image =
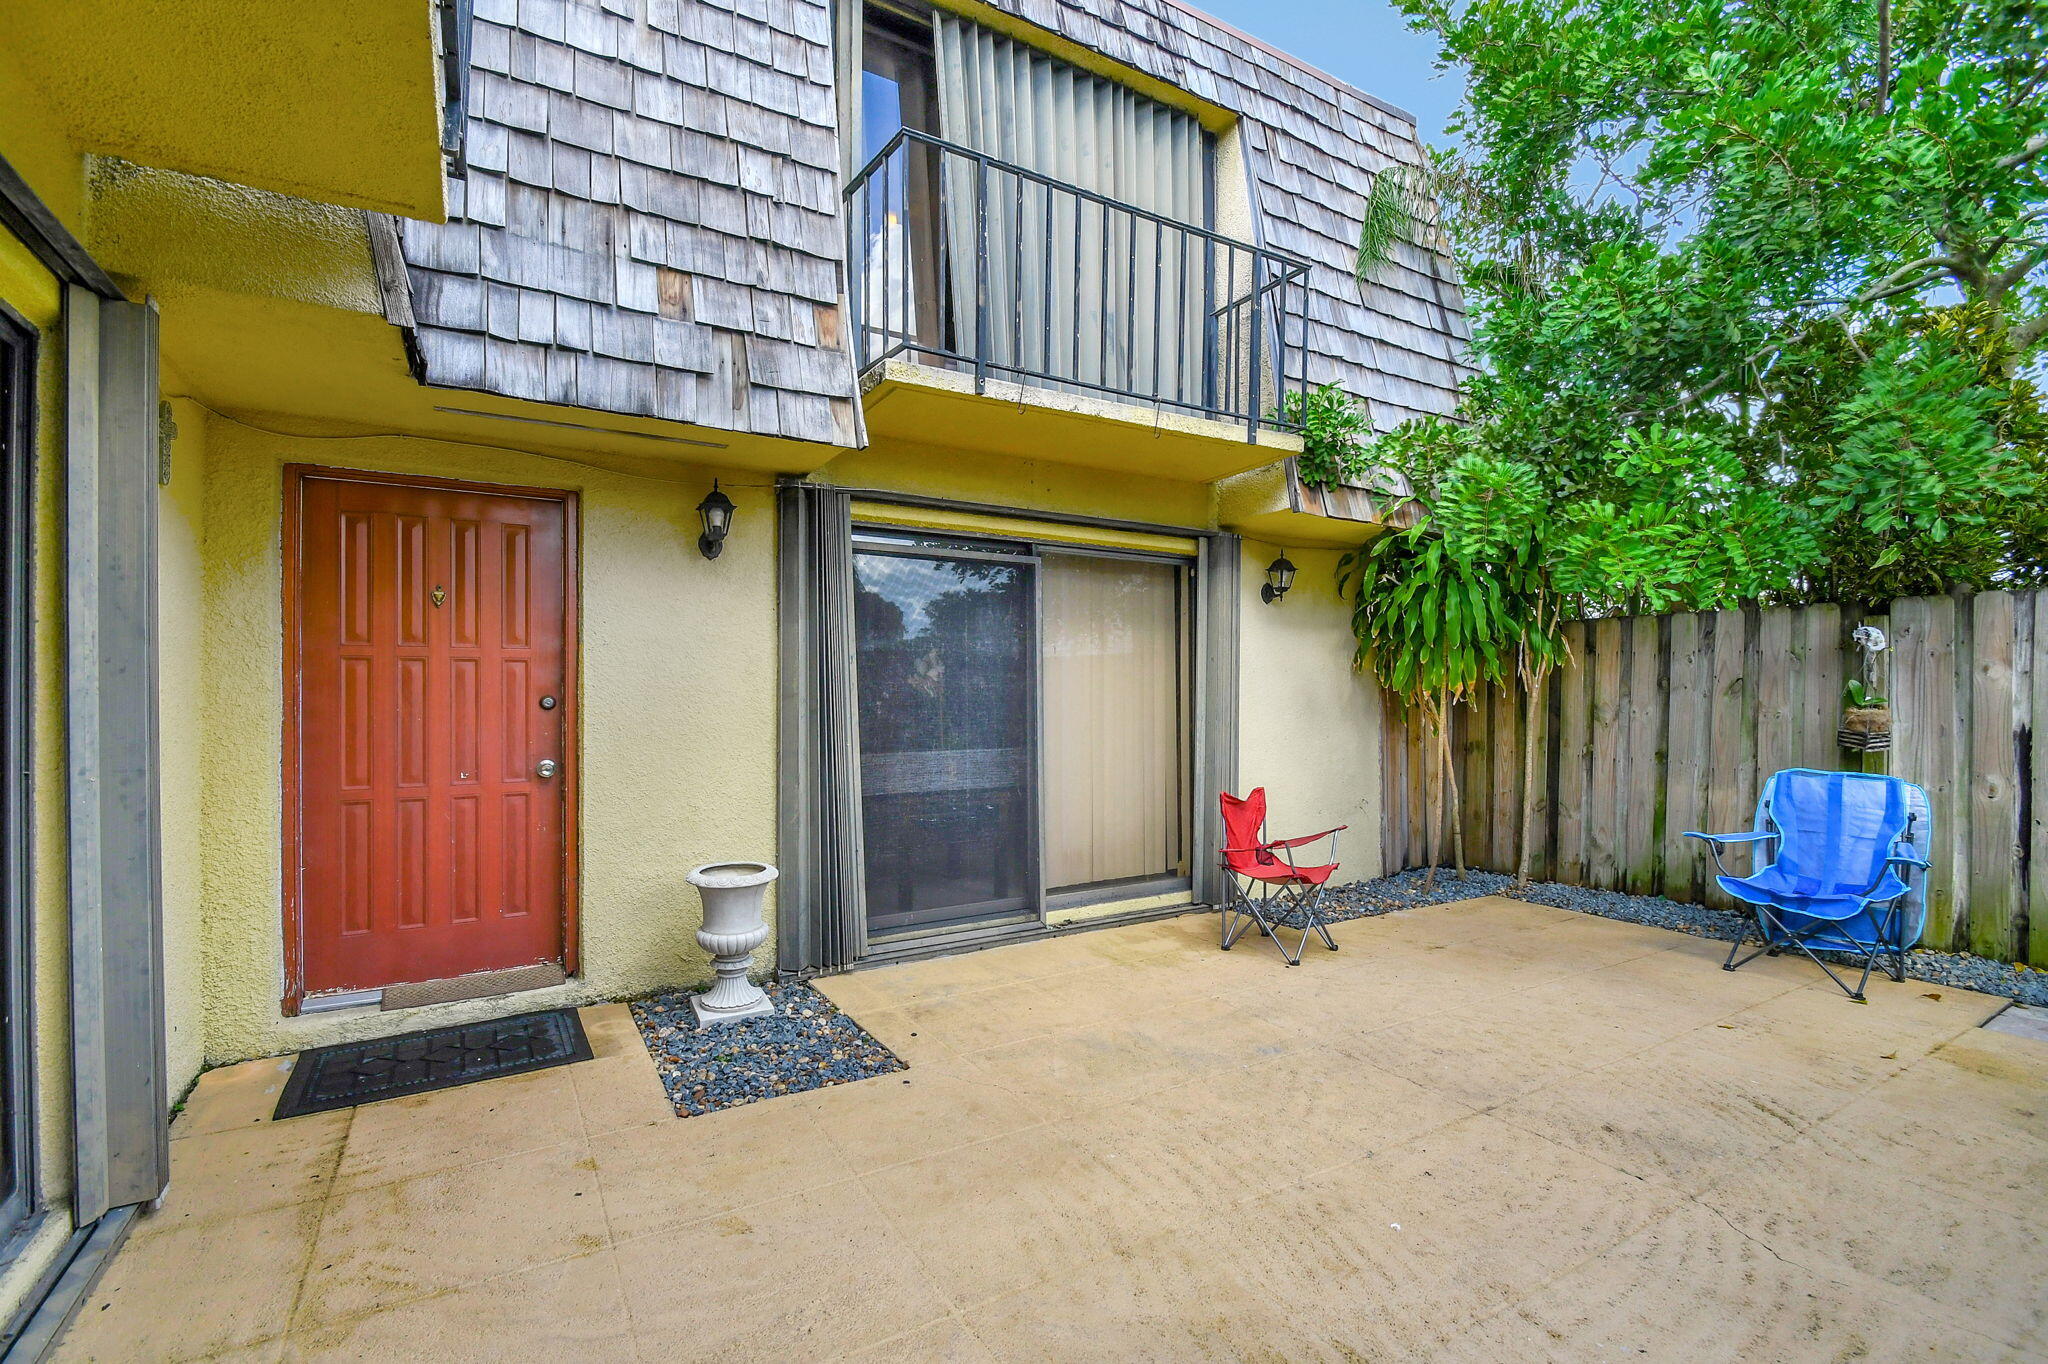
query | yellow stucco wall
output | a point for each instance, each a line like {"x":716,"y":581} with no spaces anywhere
{"x":181,"y":534}
{"x":678,"y":693}
{"x":1308,"y":726}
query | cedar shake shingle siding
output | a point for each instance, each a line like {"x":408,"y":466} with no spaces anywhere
{"x":650,"y":222}
{"x":1311,"y":148}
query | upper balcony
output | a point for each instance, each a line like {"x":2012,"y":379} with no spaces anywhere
{"x":1112,"y":336}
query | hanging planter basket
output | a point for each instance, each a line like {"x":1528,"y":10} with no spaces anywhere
{"x":1866,"y":729}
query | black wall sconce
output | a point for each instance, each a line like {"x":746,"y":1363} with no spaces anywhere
{"x":716,"y":509}
{"x":1279,"y":577}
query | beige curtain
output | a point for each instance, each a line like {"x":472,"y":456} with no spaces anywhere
{"x":1116,"y":733}
{"x":1076,"y":291}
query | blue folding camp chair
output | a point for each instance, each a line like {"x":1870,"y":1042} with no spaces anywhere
{"x":1844,"y":847}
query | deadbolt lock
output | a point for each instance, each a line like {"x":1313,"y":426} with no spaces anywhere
{"x":547,"y":703}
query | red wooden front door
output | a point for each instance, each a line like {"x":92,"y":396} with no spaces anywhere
{"x":430,"y":627}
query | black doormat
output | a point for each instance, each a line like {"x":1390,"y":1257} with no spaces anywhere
{"x":390,"y":1067}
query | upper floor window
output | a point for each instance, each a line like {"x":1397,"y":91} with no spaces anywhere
{"x":1032,"y":220}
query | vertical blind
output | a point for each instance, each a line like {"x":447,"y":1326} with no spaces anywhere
{"x":1116,"y":719}
{"x":1076,"y":290}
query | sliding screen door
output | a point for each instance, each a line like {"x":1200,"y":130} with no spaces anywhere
{"x":946,"y":663}
{"x":1116,"y":721}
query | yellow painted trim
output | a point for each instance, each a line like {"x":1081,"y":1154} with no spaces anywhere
{"x":1019,"y":527}
{"x":1082,"y":914}
{"x":1214,"y":117}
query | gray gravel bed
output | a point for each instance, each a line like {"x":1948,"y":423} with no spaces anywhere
{"x":1405,"y":890}
{"x":807,"y":1043}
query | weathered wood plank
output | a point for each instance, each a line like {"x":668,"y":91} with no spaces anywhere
{"x":1643,"y":788}
{"x":1993,"y":923}
{"x":1777,"y":744}
{"x":1925,"y":721}
{"x":1541,"y":823}
{"x":1504,"y":809}
{"x":1818,"y":694}
{"x":1574,"y":682}
{"x":1607,"y":744}
{"x":1731,"y":762}
{"x":1686,"y":760}
{"x":2036,"y":692}
{"x":1393,"y":788}
{"x":1475,"y":727}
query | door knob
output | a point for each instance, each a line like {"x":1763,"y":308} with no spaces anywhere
{"x":545,"y":769}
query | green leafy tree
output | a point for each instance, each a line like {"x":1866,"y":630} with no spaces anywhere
{"x":1759,"y":304}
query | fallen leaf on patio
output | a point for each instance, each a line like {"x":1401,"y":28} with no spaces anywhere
{"x":1932,"y":994}
{"x":1889,"y":1056}
{"x":1729,"y":1026}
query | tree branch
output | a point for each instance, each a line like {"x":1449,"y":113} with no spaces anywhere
{"x":2035,"y":145}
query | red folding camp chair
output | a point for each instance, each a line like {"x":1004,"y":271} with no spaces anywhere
{"x":1264,"y":884}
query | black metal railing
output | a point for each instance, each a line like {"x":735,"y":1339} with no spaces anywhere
{"x":957,"y":259}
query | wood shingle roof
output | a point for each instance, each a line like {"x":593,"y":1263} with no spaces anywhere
{"x":649,"y":222}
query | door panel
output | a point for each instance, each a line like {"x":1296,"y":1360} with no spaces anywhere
{"x":1116,"y":724}
{"x":432,"y":621}
{"x":946,"y":655}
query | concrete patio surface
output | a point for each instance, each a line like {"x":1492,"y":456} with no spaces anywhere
{"x":1481,"y":1131}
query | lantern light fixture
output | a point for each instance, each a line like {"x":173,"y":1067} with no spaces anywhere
{"x":1279,"y":578}
{"x":716,"y":509}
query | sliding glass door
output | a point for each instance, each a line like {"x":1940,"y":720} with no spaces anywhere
{"x":946,"y":643}
{"x":1117,"y":725}
{"x":1025,"y":729}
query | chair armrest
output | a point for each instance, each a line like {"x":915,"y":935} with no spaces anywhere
{"x":1715,"y":842}
{"x":1306,"y":838}
{"x":1906,"y":860}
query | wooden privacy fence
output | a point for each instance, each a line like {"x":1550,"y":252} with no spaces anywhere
{"x":1666,"y":723}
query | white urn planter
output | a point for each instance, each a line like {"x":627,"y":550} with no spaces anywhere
{"x":733,"y":927}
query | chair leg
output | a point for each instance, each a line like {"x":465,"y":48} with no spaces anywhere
{"x":1756,"y":921}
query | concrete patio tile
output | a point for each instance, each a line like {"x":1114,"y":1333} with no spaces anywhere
{"x":1003,"y":1215}
{"x":1111,"y":1062}
{"x":1491,"y":1212}
{"x":1691,"y":1287}
{"x":917,"y":1113}
{"x":1845,"y":1212}
{"x":940,"y":1342}
{"x":1661,"y":1114}
{"x":810,"y":1276}
{"x":1911,"y":1007}
{"x":563,"y":1312}
{"x":903,"y":1031}
{"x":1481,"y":1058}
{"x":611,"y":1030}
{"x":667,"y":1174}
{"x":241,"y":1095}
{"x":382,"y":1246}
{"x":249,"y":1169}
{"x":1234,"y":1135}
{"x":613,"y":1092}
{"x":144,"y":1309}
{"x":1024,"y":1009}
{"x":445,"y":1129}
{"x":1959,"y":1125}
{"x":1186,"y":1297}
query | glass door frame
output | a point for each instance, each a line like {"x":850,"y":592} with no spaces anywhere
{"x":1184,"y":631}
{"x":916,"y":542}
{"x":17,"y":567}
{"x":912,"y":543}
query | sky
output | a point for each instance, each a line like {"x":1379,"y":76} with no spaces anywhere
{"x":1364,"y":42}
